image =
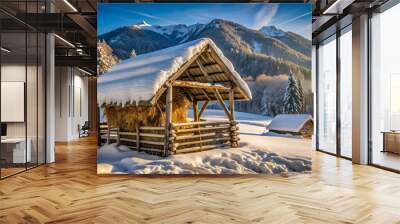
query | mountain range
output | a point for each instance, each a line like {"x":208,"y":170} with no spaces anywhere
{"x":269,"y":50}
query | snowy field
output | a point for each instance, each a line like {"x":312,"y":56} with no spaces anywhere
{"x":260,"y":152}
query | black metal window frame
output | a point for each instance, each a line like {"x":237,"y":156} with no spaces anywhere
{"x":44,"y":76}
{"x":388,"y":5}
{"x":336,"y":38}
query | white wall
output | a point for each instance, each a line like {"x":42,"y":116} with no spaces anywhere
{"x":71,"y":103}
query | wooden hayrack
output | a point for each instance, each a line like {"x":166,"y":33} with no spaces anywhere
{"x":205,"y":77}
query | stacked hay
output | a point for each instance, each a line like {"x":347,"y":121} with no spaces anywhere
{"x":128,"y":117}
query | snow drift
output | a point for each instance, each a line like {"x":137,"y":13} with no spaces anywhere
{"x":113,"y":159}
{"x":258,"y":154}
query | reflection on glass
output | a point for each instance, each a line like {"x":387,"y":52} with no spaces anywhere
{"x":385,"y":83}
{"x":327,"y":96}
{"x":346,"y":94}
{"x":22,"y":90}
{"x":15,"y":150}
{"x":41,"y":99}
{"x":31,"y":101}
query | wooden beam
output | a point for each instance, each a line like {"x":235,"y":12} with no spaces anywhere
{"x":159,"y":108}
{"x":188,"y":94}
{"x":195,"y":111}
{"x":226,"y":70}
{"x":204,"y":92}
{"x":205,"y":66}
{"x":213,"y":74}
{"x":181,"y":70}
{"x":203,"y":108}
{"x":168,"y":118}
{"x":203,"y":70}
{"x":199,"y":85}
{"x":221,"y":101}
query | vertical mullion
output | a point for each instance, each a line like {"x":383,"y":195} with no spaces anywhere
{"x":369,"y":79}
{"x":0,"y":95}
{"x":26,"y":86}
{"x":338,"y":95}
{"x":46,"y":35}
{"x":37,"y":90}
{"x":317,"y":96}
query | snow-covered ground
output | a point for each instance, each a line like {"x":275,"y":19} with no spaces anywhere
{"x":259,"y":152}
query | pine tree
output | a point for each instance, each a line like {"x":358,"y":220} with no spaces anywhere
{"x":133,"y":53}
{"x":265,"y":104}
{"x":301,"y":94}
{"x":105,"y":57}
{"x":292,"y":100}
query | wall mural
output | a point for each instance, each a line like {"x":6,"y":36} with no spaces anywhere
{"x":204,"y":88}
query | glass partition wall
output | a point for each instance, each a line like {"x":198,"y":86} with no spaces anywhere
{"x":22,"y":77}
{"x":385,"y":89}
{"x":334,"y":86}
{"x":345,"y":90}
{"x":327,"y":95}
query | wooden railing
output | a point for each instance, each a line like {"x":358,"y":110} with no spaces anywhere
{"x":203,"y":135}
{"x":183,"y":137}
{"x":149,"y":139}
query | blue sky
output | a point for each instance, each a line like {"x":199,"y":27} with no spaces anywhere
{"x":289,"y":17}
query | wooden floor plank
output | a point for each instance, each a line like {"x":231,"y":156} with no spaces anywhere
{"x":70,"y":191}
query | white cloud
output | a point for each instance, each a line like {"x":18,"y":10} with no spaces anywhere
{"x":152,"y":16}
{"x":293,"y":19}
{"x":264,"y":15}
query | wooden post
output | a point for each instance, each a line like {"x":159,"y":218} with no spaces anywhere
{"x":108,"y":134}
{"x":118,"y":137}
{"x":232,"y":103}
{"x":203,"y":108}
{"x":221,"y":102}
{"x":234,"y":142}
{"x":137,"y":137}
{"x":195,"y":111}
{"x":168,"y":118}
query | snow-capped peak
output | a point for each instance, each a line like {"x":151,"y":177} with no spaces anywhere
{"x":272,"y":31}
{"x":141,"y":24}
{"x":180,"y":31}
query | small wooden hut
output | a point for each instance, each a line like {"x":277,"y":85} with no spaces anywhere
{"x":146,"y":99}
{"x":296,"y":124}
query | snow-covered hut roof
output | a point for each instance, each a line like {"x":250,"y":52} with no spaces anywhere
{"x":289,"y":122}
{"x":143,"y":78}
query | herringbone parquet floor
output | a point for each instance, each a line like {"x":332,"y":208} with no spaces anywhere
{"x":69,"y":191}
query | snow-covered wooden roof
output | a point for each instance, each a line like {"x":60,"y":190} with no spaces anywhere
{"x":143,"y":79}
{"x":289,"y":122}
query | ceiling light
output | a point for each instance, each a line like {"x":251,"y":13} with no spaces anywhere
{"x":5,"y":50}
{"x":64,"y":40}
{"x":84,"y":71}
{"x":337,"y":7}
{"x":70,"y":5}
